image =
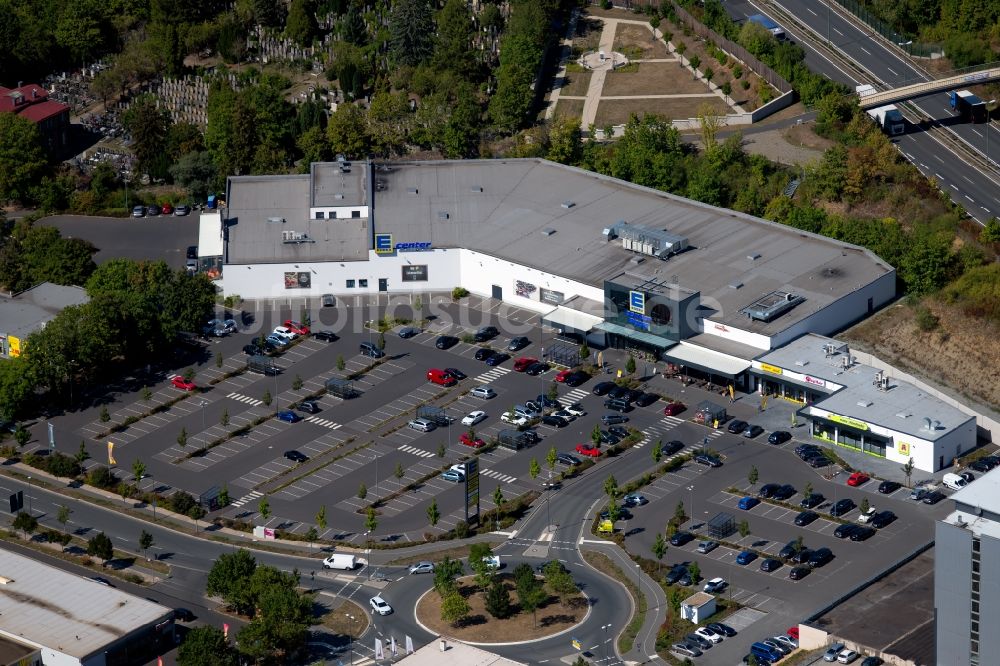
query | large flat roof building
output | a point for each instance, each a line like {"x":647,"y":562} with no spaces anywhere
{"x":24,"y":313}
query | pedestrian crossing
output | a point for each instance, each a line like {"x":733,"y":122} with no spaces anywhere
{"x":490,"y":375}
{"x":406,"y":448}
{"x":506,"y":478}
{"x":239,"y":397}
{"x":576,"y":395}
{"x":249,"y":497}
{"x":323,"y":422}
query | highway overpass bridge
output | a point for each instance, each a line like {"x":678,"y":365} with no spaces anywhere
{"x":902,"y":93}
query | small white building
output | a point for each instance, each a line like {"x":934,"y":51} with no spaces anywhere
{"x":698,"y":607}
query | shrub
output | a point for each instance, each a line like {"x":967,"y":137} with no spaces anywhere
{"x":63,"y":466}
{"x":459,"y":292}
{"x":926,"y":320}
{"x":181,"y":502}
{"x":101,"y":477}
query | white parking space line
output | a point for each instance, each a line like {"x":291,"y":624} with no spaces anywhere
{"x":493,"y":474}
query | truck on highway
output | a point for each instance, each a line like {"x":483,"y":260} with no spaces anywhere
{"x":768,"y":24}
{"x":887,"y":117}
{"x":968,"y":106}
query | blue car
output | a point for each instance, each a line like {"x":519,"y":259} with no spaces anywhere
{"x":748,"y":503}
{"x":289,"y":416}
{"x":497,"y":359}
{"x":746,"y":557}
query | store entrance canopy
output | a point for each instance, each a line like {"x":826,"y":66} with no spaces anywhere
{"x":706,"y":360}
{"x":572,"y":319}
{"x":631,"y":333}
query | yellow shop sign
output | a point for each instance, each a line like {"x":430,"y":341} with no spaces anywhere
{"x":773,"y":369}
{"x":848,"y":421}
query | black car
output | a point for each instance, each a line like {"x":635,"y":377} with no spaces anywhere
{"x":681,"y":538}
{"x":812,"y":500}
{"x":798,"y":573}
{"x":805,"y":518}
{"x":497,"y":359}
{"x":863,"y":532}
{"x":980,"y":466}
{"x":309,"y":406}
{"x":671,"y":447}
{"x":152,"y":210}
{"x":603,"y":388}
{"x":790,"y":549}
{"x":536,"y":369}
{"x":546,"y":401}
{"x":846,"y":530}
{"x":841,"y":507}
{"x":326,"y":336}
{"x":296,"y":456}
{"x":675,"y":574}
{"x":770,"y":564}
{"x":253,"y":350}
{"x":184,"y":615}
{"x":778,"y":437}
{"x":933,"y":497}
{"x":752,"y":430}
{"x":736,"y":426}
{"x":617,"y":405}
{"x":456,"y":373}
{"x":192,"y":252}
{"x":805,"y":448}
{"x":801,"y":557}
{"x":768,"y":489}
{"x":518,"y":343}
{"x":554,"y":421}
{"x":620,"y":393}
{"x":608,"y":439}
{"x":707,"y":459}
{"x":646,"y":399}
{"x":818,"y":460}
{"x":785,"y":492}
{"x":567,"y":459}
{"x":486,"y":333}
{"x":888,"y":487}
{"x":872,"y":661}
{"x":483,"y":353}
{"x":619,"y":431}
{"x":576,"y":379}
{"x":722,"y":629}
{"x":408,"y":332}
{"x":881,"y":519}
{"x":820,"y":556}
{"x":449,"y":341}
{"x":703,"y":643}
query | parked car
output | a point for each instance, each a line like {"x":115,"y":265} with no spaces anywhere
{"x":790,"y":549}
{"x":474,"y":442}
{"x":681,"y":538}
{"x":562,"y":375}
{"x":408,"y":332}
{"x":752,"y":431}
{"x":840,"y":507}
{"x":675,"y":574}
{"x":308,"y":406}
{"x":674,"y":408}
{"x":672,"y":447}
{"x":153,"y":210}
{"x":703,"y":643}
{"x":857,"y":479}
{"x":832,"y":652}
{"x":720,"y":628}
{"x":882,"y":519}
{"x":845,"y":531}
{"x":456,"y":373}
{"x":536,"y":369}
{"x":554,"y":421}
{"x":707,"y":459}
{"x":634,"y":499}
{"x":423,"y":425}
{"x":847,"y":657}
{"x":865,"y":516}
{"x":785,"y":492}
{"x":611,"y":419}
{"x":484,"y":392}
{"x":422,"y":568}
{"x":577,"y":378}
{"x":452,"y":475}
{"x":812,"y":500}
{"x":514,"y":419}
{"x":181,"y":383}
{"x":646,"y":399}
{"x":277,"y":340}
{"x":778,"y":437}
{"x":888,"y":487}
{"x":768,"y":490}
{"x":933,"y":497}
{"x":325,"y":336}
{"x":736,"y":426}
{"x":715,"y":585}
{"x":497,"y":359}
{"x":482,"y":353}
{"x":617,"y":405}
{"x":288,"y":416}
{"x":863,"y":533}
{"x":770,"y":564}
{"x":486,"y":333}
{"x":872,"y":661}
{"x":449,"y":341}
{"x":805,"y":518}
{"x":603,"y":388}
{"x":747,"y":503}
{"x":567,"y":459}
{"x":588,"y":450}
{"x":284,"y":332}
{"x":798,"y":573}
{"x":820,"y":556}
{"x":296,"y":327}
{"x":180,"y":210}
{"x":708,"y":635}
{"x":919,"y":494}
{"x":746,"y":557}
{"x":707,"y":546}
{"x":472,"y":418}
{"x":522,"y":364}
{"x":518,"y":343}
{"x":576,"y":409}
{"x":686,"y":649}
{"x":296,"y":456}
{"x":564,"y":415}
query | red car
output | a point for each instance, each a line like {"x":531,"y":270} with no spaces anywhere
{"x":521,"y":364}
{"x":296,"y":327}
{"x":166,"y":208}
{"x":857,"y":479}
{"x":588,"y":450}
{"x":468,"y":441}
{"x":562,"y":375}
{"x":673,"y":409}
{"x":183,"y":384}
{"x":793,"y":632}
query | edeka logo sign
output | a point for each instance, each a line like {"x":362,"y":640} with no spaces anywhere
{"x":848,"y":421}
{"x":383,"y":244}
{"x":404,"y":247}
{"x":637,"y":302}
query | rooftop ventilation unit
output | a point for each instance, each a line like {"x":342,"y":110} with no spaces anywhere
{"x":864,"y":403}
{"x":548,"y":232}
{"x":275,"y":220}
{"x":295,"y":237}
{"x":903,"y":415}
{"x":412,"y":190}
{"x":443,"y":215}
{"x":646,"y":240}
{"x":568,"y":204}
{"x":772,"y":306}
{"x":881,"y":381}
{"x":801,"y":363}
{"x":753,"y":257}
{"x":735,"y":285}
{"x":476,"y":189}
{"x":637,"y":260}
{"x":338,"y":196}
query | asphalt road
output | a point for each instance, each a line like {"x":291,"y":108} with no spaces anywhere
{"x":977,"y":192}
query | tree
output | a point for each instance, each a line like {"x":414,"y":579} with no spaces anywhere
{"x":454,"y":608}
{"x":565,"y":145}
{"x":264,"y":508}
{"x":371,"y":520}
{"x":224,"y":419}
{"x":301,"y":23}
{"x":100,"y":547}
{"x":553,"y":392}
{"x":223,"y":497}
{"x":595,"y":435}
{"x":630,"y":365}
{"x":498,"y":499}
{"x":679,"y":514}
{"x":534,"y":468}
{"x":530,"y":594}
{"x":25,"y":522}
{"x":479,"y":554}
{"x":206,"y":646}
{"x":412,"y":30}
{"x":145,"y":542}
{"x":267,"y":399}
{"x":695,"y":572}
{"x":659,"y":546}
{"x":381,"y":340}
{"x":340,"y":363}
{"x":990,"y":232}
{"x":138,"y":470}
{"x":865,"y":506}
{"x":753,"y":475}
{"x":908,"y":470}
{"x":81,"y":454}
{"x":321,"y":517}
{"x":296,"y":383}
{"x":551,"y":458}
{"x":147,"y":394}
{"x":63,"y":515}
{"x":657,"y":452}
{"x":497,"y":599}
{"x":727,"y":89}
{"x":433,"y":515}
{"x":362,"y":491}
{"x":441,"y":450}
{"x":584,"y":351}
{"x":182,"y":438}
{"x":229,"y":579}
{"x":312,"y":535}
{"x":445,"y":573}
{"x":22,"y":436}
{"x":22,"y":158}
{"x":611,"y":486}
{"x":807,"y":489}
{"x":744,"y":528}
{"x":348,"y":131}
{"x":148,"y":125}
{"x":399,"y":472}
{"x":195,"y":171}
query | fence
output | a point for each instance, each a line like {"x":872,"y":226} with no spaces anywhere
{"x":883,"y":29}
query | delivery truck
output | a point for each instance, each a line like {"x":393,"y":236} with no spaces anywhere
{"x":968,"y":106}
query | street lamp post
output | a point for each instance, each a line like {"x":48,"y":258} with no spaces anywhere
{"x":350,"y":636}
{"x":30,"y":512}
{"x":691,"y":490}
{"x":202,"y":404}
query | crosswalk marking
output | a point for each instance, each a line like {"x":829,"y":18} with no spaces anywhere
{"x":490,"y":375}
{"x":506,"y":478}
{"x":249,"y":497}
{"x":239,"y":397}
{"x":406,"y":448}
{"x":576,"y":395}
{"x":672,"y":420}
{"x":323,"y":422}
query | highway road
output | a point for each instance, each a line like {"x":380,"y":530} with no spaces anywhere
{"x":977,"y":192}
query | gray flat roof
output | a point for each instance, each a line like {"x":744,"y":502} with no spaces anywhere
{"x":333,"y":186}
{"x":903,"y":407}
{"x":46,"y":606}
{"x":26,"y":312}
{"x":984,"y":492}
{"x":253,"y":200}
{"x":501,"y":208}
{"x":724,"y":346}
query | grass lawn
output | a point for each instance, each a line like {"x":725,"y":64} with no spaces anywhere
{"x":639,"y":37}
{"x":572,"y":108}
{"x":617,"y":112}
{"x":576,"y":84}
{"x":653,"y":78}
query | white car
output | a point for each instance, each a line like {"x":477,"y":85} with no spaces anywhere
{"x":458,"y":468}
{"x":576,"y":409}
{"x":867,"y":515}
{"x":514,"y":419}
{"x":380,"y":606}
{"x":484,"y":392}
{"x":708,"y":634}
{"x":473,"y":418}
{"x":787,"y":641}
{"x":492,"y":562}
{"x":715,"y":585}
{"x":847,"y":656}
{"x":285,"y":333}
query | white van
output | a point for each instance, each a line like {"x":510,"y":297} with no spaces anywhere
{"x":954,"y":481}
{"x":340,"y":561}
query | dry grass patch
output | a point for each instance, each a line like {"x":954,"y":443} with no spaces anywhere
{"x":588,"y":35}
{"x":803,"y":135}
{"x":455,"y":553}
{"x":481,"y":627}
{"x":653,"y":78}
{"x":335,"y":618}
{"x":639,"y":37}
{"x":617,"y":112}
{"x":571,"y":108}
{"x":575,"y":84}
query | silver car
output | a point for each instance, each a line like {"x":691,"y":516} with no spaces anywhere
{"x":484,"y":392}
{"x":422,"y":567}
{"x":423,"y":425}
